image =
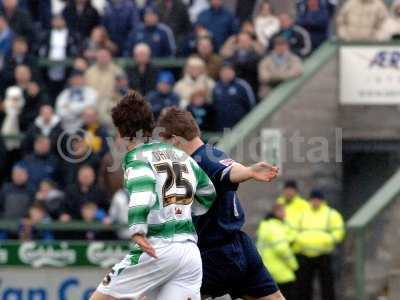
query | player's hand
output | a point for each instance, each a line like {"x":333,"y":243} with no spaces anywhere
{"x":263,"y":171}
{"x":145,"y":245}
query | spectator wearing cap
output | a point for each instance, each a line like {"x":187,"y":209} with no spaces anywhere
{"x":57,"y":45}
{"x":319,"y":230}
{"x":163,"y":96}
{"x":16,"y":196}
{"x":157,"y":35}
{"x":244,"y":53}
{"x":265,"y":23}
{"x":195,"y":78}
{"x":101,"y":76}
{"x":6,"y":39}
{"x":298,"y":38}
{"x":232,"y":97}
{"x":19,"y":19}
{"x":361,"y":20}
{"x":120,"y":18}
{"x":41,"y":164}
{"x":314,"y":17}
{"x":143,"y":76}
{"x":219,"y":21}
{"x":73,"y":100}
{"x":205,"y":50}
{"x":81,"y":18}
{"x":292,"y":201}
{"x":279,"y":66}
{"x":47,"y":124}
{"x":175,"y":14}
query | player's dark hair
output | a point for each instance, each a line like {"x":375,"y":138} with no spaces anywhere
{"x":133,"y":117}
{"x":178,"y":122}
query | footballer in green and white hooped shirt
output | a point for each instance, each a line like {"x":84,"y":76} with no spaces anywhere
{"x":166,"y":187}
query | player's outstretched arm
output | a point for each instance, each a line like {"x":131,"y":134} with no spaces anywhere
{"x":260,"y":171}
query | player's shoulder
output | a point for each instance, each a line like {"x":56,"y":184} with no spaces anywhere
{"x":209,"y":155}
{"x":142,"y":154}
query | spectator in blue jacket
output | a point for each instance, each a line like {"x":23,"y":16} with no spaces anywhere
{"x":298,"y":37}
{"x":120,"y":18}
{"x":233,"y":98}
{"x":314,"y":17}
{"x":163,"y":96}
{"x":219,"y":21}
{"x":158,"y":36}
{"x":6,"y":38}
{"x":41,"y":164}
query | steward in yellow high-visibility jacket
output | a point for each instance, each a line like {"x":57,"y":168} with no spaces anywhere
{"x":273,"y":243}
{"x":294,"y":204}
{"x":319,"y":229}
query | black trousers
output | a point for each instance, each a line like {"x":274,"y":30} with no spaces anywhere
{"x":289,"y":290}
{"x":320,"y":266}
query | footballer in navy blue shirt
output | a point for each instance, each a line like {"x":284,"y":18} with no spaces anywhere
{"x":231,"y":263}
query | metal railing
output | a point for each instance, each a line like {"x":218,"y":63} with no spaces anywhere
{"x":123,"y":62}
{"x":362,"y":219}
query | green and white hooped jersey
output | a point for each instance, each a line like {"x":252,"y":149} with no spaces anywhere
{"x":166,"y":187}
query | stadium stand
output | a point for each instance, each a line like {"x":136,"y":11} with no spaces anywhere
{"x":67,"y":57}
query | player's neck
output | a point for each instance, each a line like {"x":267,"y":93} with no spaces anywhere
{"x":193,"y":145}
{"x":134,"y":143}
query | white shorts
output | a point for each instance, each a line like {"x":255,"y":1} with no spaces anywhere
{"x":175,"y":275}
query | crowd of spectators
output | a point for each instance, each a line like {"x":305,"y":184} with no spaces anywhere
{"x":368,"y":20}
{"x":235,"y":52}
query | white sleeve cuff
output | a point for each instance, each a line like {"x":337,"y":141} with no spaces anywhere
{"x":138,"y":229}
